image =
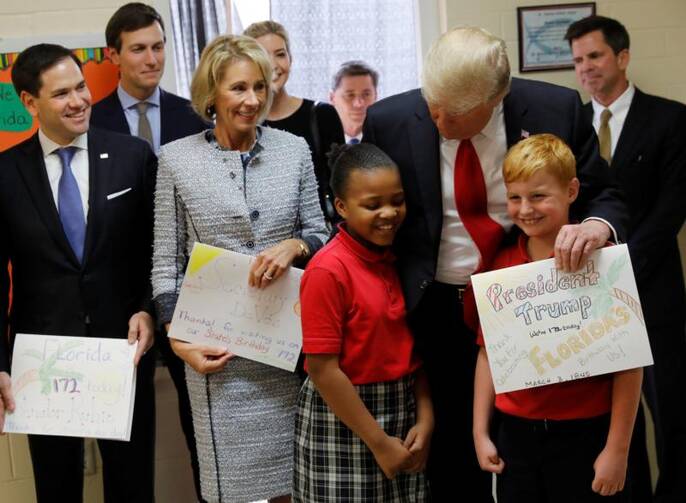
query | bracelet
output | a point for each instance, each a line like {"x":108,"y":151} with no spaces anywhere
{"x":304,"y":251}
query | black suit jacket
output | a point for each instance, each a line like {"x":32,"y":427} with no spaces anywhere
{"x":649,"y":165}
{"x":177,"y":117}
{"x":52,"y":292}
{"x":402,"y":127}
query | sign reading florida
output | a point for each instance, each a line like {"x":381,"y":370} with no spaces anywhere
{"x":216,"y":307}
{"x":72,"y":386}
{"x":543,"y":326}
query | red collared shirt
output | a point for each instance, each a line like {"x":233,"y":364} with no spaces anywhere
{"x":353,"y":306}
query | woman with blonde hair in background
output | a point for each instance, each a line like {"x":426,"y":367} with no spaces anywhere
{"x":317,"y":122}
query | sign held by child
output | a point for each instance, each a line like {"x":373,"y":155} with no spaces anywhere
{"x":543,"y":326}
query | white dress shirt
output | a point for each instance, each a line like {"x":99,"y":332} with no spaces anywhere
{"x":357,"y":137}
{"x":620,"y":109}
{"x":79,"y":166}
{"x":458,"y":256}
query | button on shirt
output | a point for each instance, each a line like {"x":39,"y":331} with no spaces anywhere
{"x":620,"y":109}
{"x":129,"y":103}
{"x":458,"y":256}
{"x":79,"y":166}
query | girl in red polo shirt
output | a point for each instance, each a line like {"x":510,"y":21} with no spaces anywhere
{"x":364,"y":417}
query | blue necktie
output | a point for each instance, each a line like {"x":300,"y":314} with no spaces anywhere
{"x":353,"y":141}
{"x":69,"y":204}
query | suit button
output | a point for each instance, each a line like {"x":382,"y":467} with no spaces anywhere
{"x":424,"y":284}
{"x":250,"y":244}
{"x":254,"y":215}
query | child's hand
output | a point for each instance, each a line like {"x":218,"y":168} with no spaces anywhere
{"x":487,"y":455}
{"x":418,"y":441}
{"x":392,"y":456}
{"x":610,"y":472}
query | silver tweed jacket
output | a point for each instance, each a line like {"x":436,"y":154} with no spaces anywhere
{"x":204,"y":194}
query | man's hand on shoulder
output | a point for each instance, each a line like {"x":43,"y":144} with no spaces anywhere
{"x":6,"y":398}
{"x":575,"y":242}
{"x":141,"y":329}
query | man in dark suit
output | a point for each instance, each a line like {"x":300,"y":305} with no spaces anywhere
{"x":642,"y":138}
{"x":467,"y":114}
{"x":77,"y":217}
{"x":139,"y":106}
{"x":136,"y":39}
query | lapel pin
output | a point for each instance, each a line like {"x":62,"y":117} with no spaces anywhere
{"x":104,"y":156}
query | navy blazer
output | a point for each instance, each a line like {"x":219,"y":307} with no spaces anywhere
{"x":177,"y":118}
{"x":402,"y":127}
{"x":649,"y":165}
{"x":52,"y":292}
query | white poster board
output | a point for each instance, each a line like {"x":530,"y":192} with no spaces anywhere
{"x":542,"y":326}
{"x":72,"y":386}
{"x":216,"y":307}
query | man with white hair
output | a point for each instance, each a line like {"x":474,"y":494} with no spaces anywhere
{"x":449,"y":141}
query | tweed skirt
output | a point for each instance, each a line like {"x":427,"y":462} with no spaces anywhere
{"x":243,"y":418}
{"x":332,"y":464}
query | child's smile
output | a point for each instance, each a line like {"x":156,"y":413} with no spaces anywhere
{"x":373,"y":206}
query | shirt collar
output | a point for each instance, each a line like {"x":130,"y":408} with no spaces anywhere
{"x":360,"y":250}
{"x":619,"y":107}
{"x":50,"y":146}
{"x":523,"y":252}
{"x":490,"y":130}
{"x":128,"y":101}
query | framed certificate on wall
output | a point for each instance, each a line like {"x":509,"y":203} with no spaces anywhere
{"x":541,"y":31}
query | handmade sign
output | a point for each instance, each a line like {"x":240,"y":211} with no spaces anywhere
{"x":543,"y":326}
{"x":216,"y":307}
{"x":72,"y":386}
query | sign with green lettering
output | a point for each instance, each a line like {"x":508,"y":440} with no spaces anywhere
{"x":13,"y":116}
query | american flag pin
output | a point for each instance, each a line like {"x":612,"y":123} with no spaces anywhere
{"x":525,"y":134}
{"x":104,"y":156}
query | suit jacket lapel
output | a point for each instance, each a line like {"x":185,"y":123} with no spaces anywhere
{"x":424,"y":143}
{"x":631,"y":131}
{"x":98,"y":183}
{"x":116,"y":112}
{"x":514,"y":111}
{"x":35,"y":175}
{"x":166,"y":118}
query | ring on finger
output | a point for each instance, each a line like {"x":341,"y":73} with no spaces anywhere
{"x":267,"y":276}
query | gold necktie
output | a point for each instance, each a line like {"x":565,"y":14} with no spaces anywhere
{"x":144,"y":129}
{"x":604,"y":136}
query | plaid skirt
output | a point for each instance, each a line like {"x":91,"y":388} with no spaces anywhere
{"x":332,"y":464}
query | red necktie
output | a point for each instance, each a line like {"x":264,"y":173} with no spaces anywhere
{"x":472,"y":206}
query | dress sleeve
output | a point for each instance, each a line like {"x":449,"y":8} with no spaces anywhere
{"x":322,"y":300}
{"x":312,"y":227}
{"x":169,"y":246}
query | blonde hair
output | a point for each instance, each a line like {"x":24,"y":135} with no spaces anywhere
{"x":216,"y":58}
{"x":465,"y":67}
{"x":539,"y":152}
{"x":262,"y":28}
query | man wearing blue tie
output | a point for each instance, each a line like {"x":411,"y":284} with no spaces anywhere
{"x":76,"y":217}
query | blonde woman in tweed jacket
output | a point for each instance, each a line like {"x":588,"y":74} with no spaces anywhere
{"x":252,"y":190}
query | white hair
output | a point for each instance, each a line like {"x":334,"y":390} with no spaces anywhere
{"x":465,"y":67}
